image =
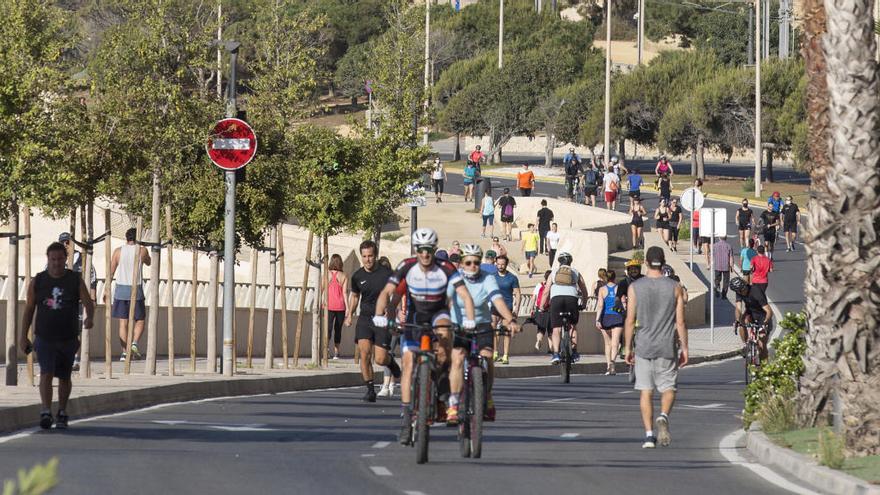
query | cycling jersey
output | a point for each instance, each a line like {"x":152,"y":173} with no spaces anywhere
{"x":426,"y":290}
{"x":754,"y":301}
{"x":483,"y":290}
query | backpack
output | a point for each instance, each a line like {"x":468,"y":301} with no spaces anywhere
{"x":508,"y":210}
{"x":565,"y":275}
{"x":590,"y":178}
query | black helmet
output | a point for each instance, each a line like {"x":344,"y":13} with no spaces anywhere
{"x":564,"y":258}
{"x":737,"y":284}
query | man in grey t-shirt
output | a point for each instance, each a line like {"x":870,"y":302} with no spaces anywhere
{"x":657,"y":304}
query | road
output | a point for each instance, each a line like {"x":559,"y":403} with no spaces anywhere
{"x":584,"y":437}
{"x":786,"y":288}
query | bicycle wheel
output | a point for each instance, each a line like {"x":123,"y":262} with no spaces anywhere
{"x":478,"y":400}
{"x":565,"y":357}
{"x":424,"y":405}
{"x":465,"y":411}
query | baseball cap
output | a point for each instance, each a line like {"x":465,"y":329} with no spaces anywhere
{"x":655,"y":257}
{"x":64,"y":237}
{"x":442,"y":254}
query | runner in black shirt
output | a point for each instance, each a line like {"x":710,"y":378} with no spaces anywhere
{"x":367,"y":284}
{"x":545,"y":218}
{"x":771,"y":222}
{"x":790,"y":215}
{"x":744,"y":223}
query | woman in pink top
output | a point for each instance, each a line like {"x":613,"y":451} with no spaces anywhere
{"x":337,"y":301}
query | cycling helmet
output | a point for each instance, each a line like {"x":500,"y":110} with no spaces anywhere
{"x":633,"y":262}
{"x":564,"y":258}
{"x":424,"y":237}
{"x":614,"y":159}
{"x":441,"y":254}
{"x":737,"y":284}
{"x":667,"y":271}
{"x":471,"y":250}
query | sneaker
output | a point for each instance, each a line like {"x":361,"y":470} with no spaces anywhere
{"x":391,"y":387}
{"x":662,"y":426}
{"x":122,"y":357}
{"x":336,"y":357}
{"x":575,"y":356}
{"x":496,"y":357}
{"x":452,"y":415}
{"x":650,"y":443}
{"x":46,"y":420}
{"x":490,"y":411}
{"x":370,"y":395}
{"x":135,"y":352}
{"x":61,"y":421}
{"x":383,"y":392}
{"x":505,"y":359}
{"x":405,"y":436}
{"x":555,"y":359}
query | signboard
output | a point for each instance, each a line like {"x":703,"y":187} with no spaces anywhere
{"x":692,"y":199}
{"x":713,"y":222}
{"x":232,"y":144}
{"x":415,"y":195}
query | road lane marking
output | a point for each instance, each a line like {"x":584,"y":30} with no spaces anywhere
{"x":705,"y":406}
{"x":368,"y":455}
{"x":627,"y":392}
{"x":240,"y":428}
{"x":729,"y":449}
{"x":380,"y":470}
{"x":734,"y":382}
{"x":569,"y":436}
{"x":381,"y":445}
{"x":560,"y":400}
{"x":414,"y":492}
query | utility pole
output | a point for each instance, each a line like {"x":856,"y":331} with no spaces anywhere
{"x":497,"y":156}
{"x":219,"y":53}
{"x":229,"y":227}
{"x":757,"y":98}
{"x":607,"y":150}
{"x":766,"y":42}
{"x":750,"y":50}
{"x":784,"y":28}
{"x":427,"y":68}
{"x":641,"y":34}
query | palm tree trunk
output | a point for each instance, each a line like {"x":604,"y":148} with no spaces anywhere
{"x":843,"y":242}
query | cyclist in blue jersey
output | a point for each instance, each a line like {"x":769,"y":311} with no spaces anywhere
{"x":487,"y":298}
{"x":426,"y":279}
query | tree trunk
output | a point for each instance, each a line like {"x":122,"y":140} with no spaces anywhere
{"x":325,"y":313}
{"x":844,"y":248}
{"x":694,"y":161}
{"x":12,"y":300}
{"x":769,"y":175}
{"x":315,"y":281}
{"x":283,"y":281}
{"x":193,"y":310}
{"x":252,"y":305}
{"x":456,"y":153}
{"x":212,"y":311}
{"x":303,"y":292}
{"x":549,"y":146}
{"x":108,"y":299}
{"x":26,"y":219}
{"x":86,"y":233}
{"x":377,"y":234}
{"x":621,"y":151}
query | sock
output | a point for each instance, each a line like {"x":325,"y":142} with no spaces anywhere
{"x":453,"y":400}
{"x":665,"y":416}
{"x":62,"y":411}
{"x":649,"y":433}
{"x":395,"y":369}
{"x":45,"y":411}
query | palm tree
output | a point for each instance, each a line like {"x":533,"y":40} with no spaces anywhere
{"x":843,"y":239}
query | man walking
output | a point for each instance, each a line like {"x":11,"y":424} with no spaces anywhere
{"x":366,"y":285}
{"x":55,"y":295}
{"x":525,"y":180}
{"x":611,"y":181}
{"x":790,"y":216}
{"x":508,"y":284}
{"x":591,"y":184}
{"x":722,"y":256}
{"x":761,"y":268}
{"x":545,"y":217}
{"x":124,"y":260}
{"x":507,"y":204}
{"x":657,"y":302}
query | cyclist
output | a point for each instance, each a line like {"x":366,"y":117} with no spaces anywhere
{"x":564,"y":286}
{"x":663,"y":167}
{"x":484,"y":290}
{"x":573,"y":170}
{"x":752,"y":307}
{"x":426,"y":280}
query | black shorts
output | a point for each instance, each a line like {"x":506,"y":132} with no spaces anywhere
{"x":611,"y":320}
{"x":365,"y":330}
{"x":770,"y":236}
{"x":635,"y":194}
{"x":789,"y":227}
{"x":506,"y":219}
{"x":590,"y":190}
{"x":542,"y":320}
{"x":704,"y":240}
{"x":56,"y":356}
{"x":121,"y":307}
{"x":525,"y":191}
{"x":744,"y":227}
{"x":563,"y":304}
{"x":637,"y":223}
{"x":485,"y":340}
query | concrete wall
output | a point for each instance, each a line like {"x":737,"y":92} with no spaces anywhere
{"x":695,"y":311}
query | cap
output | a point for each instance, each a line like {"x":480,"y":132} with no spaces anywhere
{"x":455,"y":258}
{"x":64,"y":237}
{"x":441,"y":254}
{"x":491,"y":254}
{"x":655,"y":257}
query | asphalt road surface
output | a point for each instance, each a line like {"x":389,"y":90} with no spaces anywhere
{"x":786,"y":289}
{"x":583,"y":437}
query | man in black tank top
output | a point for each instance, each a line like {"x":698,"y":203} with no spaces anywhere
{"x":55,"y":295}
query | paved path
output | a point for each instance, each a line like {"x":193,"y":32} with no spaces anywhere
{"x":583,"y":437}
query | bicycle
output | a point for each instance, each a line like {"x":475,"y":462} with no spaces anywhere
{"x":565,"y":347}
{"x":752,"y":349}
{"x":474,"y":393}
{"x":426,"y":379}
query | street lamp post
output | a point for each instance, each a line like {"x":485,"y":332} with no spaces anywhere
{"x":757,"y":98}
{"x":608,"y":79}
{"x":427,"y":67}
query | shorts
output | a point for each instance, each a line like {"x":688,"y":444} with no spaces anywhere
{"x":488,"y":220}
{"x":611,"y":320}
{"x":744,"y":227}
{"x":704,"y":240}
{"x":121,"y":308}
{"x":438,"y":185}
{"x":564,"y":304}
{"x":506,"y":219}
{"x":56,"y":356}
{"x":662,"y":225}
{"x":485,"y":340}
{"x":789,"y":227}
{"x":365,"y":330}
{"x":770,"y":236}
{"x":469,"y":182}
{"x":638,"y":223}
{"x":746,"y":273}
{"x":531,"y":254}
{"x":610,"y":196}
{"x":525,"y":191}
{"x":657,"y":373}
{"x":409,"y":341}
{"x":636,"y":194}
{"x":542,"y":321}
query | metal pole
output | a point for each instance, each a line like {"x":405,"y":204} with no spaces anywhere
{"x":219,"y":55}
{"x":501,"y":34}
{"x":757,"y":98}
{"x":413,"y":225}
{"x":608,"y":80}
{"x":641,"y":34}
{"x":766,"y":43}
{"x":12,"y":299}
{"x":711,"y":272}
{"x":693,"y":209}
{"x":750,"y":50}
{"x":229,"y":236}
{"x":427,"y":67}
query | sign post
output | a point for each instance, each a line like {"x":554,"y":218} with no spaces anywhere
{"x":715,"y":220}
{"x":415,"y":194}
{"x":231,"y":146}
{"x":691,"y":200}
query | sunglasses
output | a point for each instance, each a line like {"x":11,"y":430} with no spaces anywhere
{"x":470,"y":263}
{"x":425,"y":249}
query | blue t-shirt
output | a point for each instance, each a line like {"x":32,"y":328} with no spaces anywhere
{"x":777,"y":203}
{"x":506,"y":284}
{"x":635,"y":182}
{"x":469,"y":173}
{"x":483,"y":290}
{"x":489,"y":268}
{"x":747,"y":254}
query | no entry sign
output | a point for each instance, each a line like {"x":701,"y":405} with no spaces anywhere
{"x":232,"y":144}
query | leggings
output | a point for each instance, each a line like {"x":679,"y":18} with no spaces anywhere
{"x":334,"y":326}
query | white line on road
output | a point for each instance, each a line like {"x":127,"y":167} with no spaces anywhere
{"x":559,"y":400}
{"x":414,"y":492}
{"x":380,"y":470}
{"x":705,"y":406}
{"x":730,"y":451}
{"x":569,"y":436}
{"x":627,"y":392}
{"x":368,"y":455}
{"x":381,"y":445}
{"x":734,"y":382}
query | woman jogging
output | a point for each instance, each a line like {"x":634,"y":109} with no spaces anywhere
{"x":638,"y":223}
{"x":675,"y":214}
{"x":609,"y":321}
{"x":337,"y":302}
{"x":661,"y":217}
{"x":438,"y":179}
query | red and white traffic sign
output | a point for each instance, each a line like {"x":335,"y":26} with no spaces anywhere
{"x":232,"y":145}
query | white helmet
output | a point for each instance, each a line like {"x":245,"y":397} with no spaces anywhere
{"x":424,"y":237}
{"x":471,"y":250}
{"x":614,"y":159}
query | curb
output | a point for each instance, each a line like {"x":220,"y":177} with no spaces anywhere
{"x":18,"y":418}
{"x":805,"y":468}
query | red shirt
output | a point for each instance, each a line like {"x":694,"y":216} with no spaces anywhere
{"x":476,"y":156}
{"x":761,"y":266}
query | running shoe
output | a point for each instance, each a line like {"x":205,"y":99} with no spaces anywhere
{"x":370,"y":395}
{"x":384,"y":391}
{"x":650,"y":443}
{"x":555,"y":359}
{"x":452,"y":415}
{"x":505,"y":359}
{"x":405,"y":436}
{"x":575,"y":356}
{"x":662,"y":426}
{"x":61,"y":420}
{"x":135,"y":352}
{"x":490,"y":411}
{"x":122,"y":357}
{"x":46,"y":420}
{"x":496,"y":357}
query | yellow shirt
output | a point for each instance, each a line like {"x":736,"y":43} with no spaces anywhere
{"x":530,"y":241}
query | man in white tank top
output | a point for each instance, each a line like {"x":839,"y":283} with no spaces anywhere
{"x":123,"y":259}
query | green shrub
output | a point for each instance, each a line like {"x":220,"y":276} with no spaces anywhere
{"x":392,"y":236}
{"x":39,"y":480}
{"x":832,"y":451}
{"x":684,"y":231}
{"x":749,"y":185}
{"x":777,"y":413}
{"x":778,"y":377}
